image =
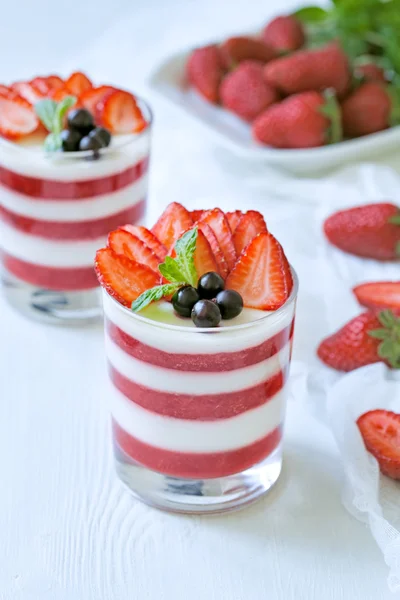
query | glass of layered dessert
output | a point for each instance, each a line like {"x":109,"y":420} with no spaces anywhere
{"x":199,"y":318}
{"x":73,"y":165}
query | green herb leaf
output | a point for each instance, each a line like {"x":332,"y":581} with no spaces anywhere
{"x":171,"y":271}
{"x":311,"y":14}
{"x":185,"y":248}
{"x":380,"y":334}
{"x":156,"y":293}
{"x":331,"y":110}
{"x":395,"y":219}
{"x":389,"y":348}
{"x":46,"y":110}
{"x":52,"y":143}
{"x":61,"y":110}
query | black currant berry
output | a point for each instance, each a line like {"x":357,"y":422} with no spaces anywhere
{"x":210,"y":284}
{"x":90,"y":143}
{"x":80,"y":120}
{"x":230,"y":304}
{"x":184,"y":299}
{"x":103,"y":135}
{"x":205,"y":313}
{"x":70,"y":140}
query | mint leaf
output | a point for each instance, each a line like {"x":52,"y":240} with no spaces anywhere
{"x":52,"y":143}
{"x":156,"y":293}
{"x":185,"y":248}
{"x":61,"y":110}
{"x":171,"y":271}
{"x":46,"y":110}
{"x":311,"y":14}
{"x":395,"y":219}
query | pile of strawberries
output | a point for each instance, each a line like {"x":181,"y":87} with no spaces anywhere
{"x":370,"y":231}
{"x":294,"y":97}
{"x":112,"y":108}
{"x":236,"y":245}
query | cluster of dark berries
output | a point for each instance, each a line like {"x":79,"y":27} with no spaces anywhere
{"x":209,"y":302}
{"x":82,"y":133}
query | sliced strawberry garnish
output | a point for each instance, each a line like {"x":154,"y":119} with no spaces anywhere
{"x":123,"y":242}
{"x":4,"y":90}
{"x":217,"y":221}
{"x":120,"y":113}
{"x":123,"y":278}
{"x":380,"y":430}
{"x":379,"y":295}
{"x":260,"y":274}
{"x":250,"y":224}
{"x":204,"y":259}
{"x":174,"y":221}
{"x":233,"y":219}
{"x":59,"y":93}
{"x":26,"y":90}
{"x":148,"y":238}
{"x":54,"y":82}
{"x":40,"y":85}
{"x":93,"y":97}
{"x":197,"y":214}
{"x":17,"y":117}
{"x":78,"y":83}
{"x":215,"y":247}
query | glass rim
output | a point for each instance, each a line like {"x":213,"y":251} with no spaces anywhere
{"x":7,"y":144}
{"x":196,"y":330}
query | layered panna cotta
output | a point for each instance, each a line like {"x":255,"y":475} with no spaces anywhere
{"x":198,"y":361}
{"x":73,"y":166}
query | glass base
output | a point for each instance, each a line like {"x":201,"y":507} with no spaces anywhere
{"x":199,"y":496}
{"x":57,"y":308}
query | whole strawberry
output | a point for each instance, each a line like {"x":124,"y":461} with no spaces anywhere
{"x":237,"y":49}
{"x":366,"y":339}
{"x":306,"y":120}
{"x":367,"y":110}
{"x":371,"y":231}
{"x":284,"y":34}
{"x":205,"y":70}
{"x":245,"y":93}
{"x":304,"y":70}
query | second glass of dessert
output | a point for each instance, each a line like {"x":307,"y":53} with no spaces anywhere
{"x":73,"y":165}
{"x":199,"y":317}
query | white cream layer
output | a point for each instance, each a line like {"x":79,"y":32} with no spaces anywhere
{"x":32,"y":161}
{"x":198,"y":436}
{"x":191,"y":340}
{"x":49,"y":253}
{"x":75,"y":210}
{"x":180,"y":382}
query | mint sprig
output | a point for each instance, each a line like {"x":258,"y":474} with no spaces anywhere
{"x":51,"y":114}
{"x":179,"y":271}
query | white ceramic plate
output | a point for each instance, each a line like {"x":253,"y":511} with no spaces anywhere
{"x":169,"y":80}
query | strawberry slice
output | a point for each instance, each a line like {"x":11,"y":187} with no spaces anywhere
{"x":123,"y":278}
{"x":54,"y":82}
{"x":94,"y":96}
{"x":204,"y":259}
{"x":123,"y":242}
{"x":17,"y":117}
{"x":197,"y":214}
{"x":78,"y":83}
{"x":4,"y":90}
{"x":40,"y":85}
{"x":59,"y":93}
{"x":26,"y":90}
{"x":222,"y":267}
{"x":250,"y":224}
{"x":260,"y":274}
{"x":148,"y":238}
{"x":233,"y":219}
{"x":217,"y":221}
{"x":119,"y":112}
{"x":379,"y":295}
{"x":174,"y":221}
{"x":380,"y":430}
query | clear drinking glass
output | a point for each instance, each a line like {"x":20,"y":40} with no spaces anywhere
{"x":198,"y":414}
{"x":56,"y":211}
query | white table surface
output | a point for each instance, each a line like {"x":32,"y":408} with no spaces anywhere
{"x":68,"y":530}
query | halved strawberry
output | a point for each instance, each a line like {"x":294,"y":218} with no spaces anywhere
{"x":379,"y":295}
{"x":260,"y":274}
{"x":197,"y":214}
{"x":123,"y":242}
{"x":123,"y":278}
{"x":204,"y":259}
{"x":174,"y":221}
{"x":217,"y":221}
{"x":40,"y":84}
{"x":148,"y":238}
{"x":26,"y":90}
{"x":17,"y":117}
{"x":120,"y":113}
{"x":54,"y":82}
{"x":78,"y":83}
{"x":250,"y":224}
{"x":380,"y":430}
{"x":233,"y":219}
{"x":215,"y":247}
{"x":93,"y":97}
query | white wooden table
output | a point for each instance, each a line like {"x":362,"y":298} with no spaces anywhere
{"x":68,"y":530}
